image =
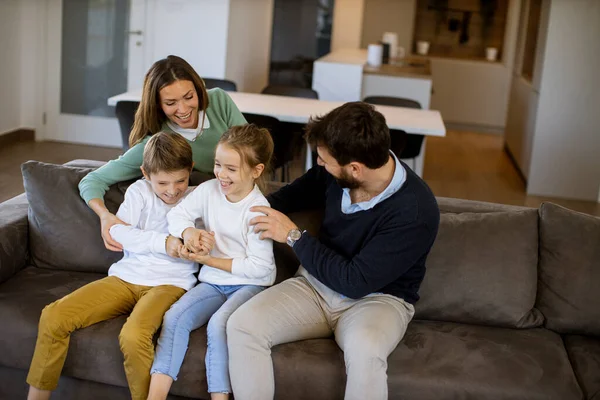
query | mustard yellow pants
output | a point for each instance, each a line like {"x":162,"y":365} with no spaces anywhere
{"x":95,"y":302}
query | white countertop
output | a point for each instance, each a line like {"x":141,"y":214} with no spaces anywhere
{"x":292,"y":109}
{"x":346,"y":56}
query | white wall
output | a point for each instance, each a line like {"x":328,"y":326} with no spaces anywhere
{"x":565,"y":161}
{"x":10,"y":66}
{"x":347,"y":24}
{"x":520,"y":122}
{"x":32,"y":68}
{"x":249,"y":44}
{"x":195,"y":30}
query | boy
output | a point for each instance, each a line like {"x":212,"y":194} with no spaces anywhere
{"x":144,"y":283}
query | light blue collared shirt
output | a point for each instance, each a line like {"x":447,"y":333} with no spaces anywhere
{"x":395,"y":185}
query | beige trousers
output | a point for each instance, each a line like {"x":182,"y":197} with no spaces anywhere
{"x":367,"y":330}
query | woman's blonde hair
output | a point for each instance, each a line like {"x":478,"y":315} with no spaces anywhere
{"x":149,"y":116}
{"x":254,"y":145}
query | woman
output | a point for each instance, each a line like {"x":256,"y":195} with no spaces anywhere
{"x":174,"y":99}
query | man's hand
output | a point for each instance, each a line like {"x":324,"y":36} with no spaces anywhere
{"x":172,"y":246}
{"x":107,"y":220}
{"x":198,"y":240}
{"x":273,"y":225}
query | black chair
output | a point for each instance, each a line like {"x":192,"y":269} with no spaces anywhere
{"x":404,"y":145}
{"x":281,"y":152}
{"x":224,"y":84}
{"x":291,"y":91}
{"x":293,"y":131}
{"x":125,"y":112}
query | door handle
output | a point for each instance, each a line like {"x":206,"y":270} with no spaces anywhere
{"x":139,"y":32}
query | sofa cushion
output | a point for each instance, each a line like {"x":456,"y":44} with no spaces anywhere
{"x":14,"y":387}
{"x":435,"y":359}
{"x":93,"y":349}
{"x":441,"y":360}
{"x":569,"y":282}
{"x":64,"y":233}
{"x":584,"y":352}
{"x":22,"y":299}
{"x":482,"y":269}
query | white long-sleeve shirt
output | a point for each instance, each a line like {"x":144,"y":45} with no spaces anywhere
{"x":253,"y":261}
{"x":145,"y":260}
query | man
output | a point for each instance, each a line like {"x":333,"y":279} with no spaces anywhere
{"x":359,"y":278}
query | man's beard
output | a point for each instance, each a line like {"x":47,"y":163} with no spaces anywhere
{"x":347,"y":181}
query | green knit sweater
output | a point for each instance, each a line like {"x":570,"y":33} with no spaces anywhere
{"x":222,"y":113}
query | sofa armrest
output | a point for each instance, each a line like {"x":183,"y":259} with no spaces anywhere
{"x":14,"y":240}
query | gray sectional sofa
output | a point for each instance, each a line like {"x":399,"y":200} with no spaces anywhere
{"x":509,"y":309}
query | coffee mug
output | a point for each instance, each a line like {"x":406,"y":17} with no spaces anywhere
{"x":422,"y":47}
{"x":491,"y":53}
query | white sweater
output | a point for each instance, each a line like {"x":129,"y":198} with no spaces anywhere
{"x":145,"y":260}
{"x":253,"y":261}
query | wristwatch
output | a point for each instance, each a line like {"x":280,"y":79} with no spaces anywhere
{"x":293,"y":236}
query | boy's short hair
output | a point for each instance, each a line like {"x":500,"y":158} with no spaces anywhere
{"x":354,"y":131}
{"x":167,"y":151}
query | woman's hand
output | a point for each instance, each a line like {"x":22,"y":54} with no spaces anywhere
{"x":107,"y":220}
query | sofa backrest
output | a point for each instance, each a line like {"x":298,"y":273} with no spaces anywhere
{"x":64,"y":233}
{"x":569,"y":271}
{"x":482,"y":268}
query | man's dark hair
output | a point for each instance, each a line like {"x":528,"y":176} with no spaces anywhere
{"x":352,"y":132}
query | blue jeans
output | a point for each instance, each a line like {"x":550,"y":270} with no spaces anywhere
{"x":191,"y":311}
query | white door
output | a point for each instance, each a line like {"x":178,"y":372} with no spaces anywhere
{"x":95,"y":50}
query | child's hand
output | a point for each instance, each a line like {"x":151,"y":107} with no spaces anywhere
{"x":203,"y":252}
{"x":172,"y":246}
{"x":198,"y":240}
{"x":185,"y":254}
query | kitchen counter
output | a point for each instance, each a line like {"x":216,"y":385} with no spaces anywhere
{"x":411,"y":67}
{"x":406,"y":67}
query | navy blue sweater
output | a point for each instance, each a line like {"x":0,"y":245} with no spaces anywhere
{"x":381,"y":250}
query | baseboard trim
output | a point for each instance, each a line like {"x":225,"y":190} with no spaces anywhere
{"x":18,"y":135}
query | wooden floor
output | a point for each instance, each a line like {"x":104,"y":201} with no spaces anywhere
{"x":474,"y":166}
{"x":13,"y":155}
{"x":463,"y":165}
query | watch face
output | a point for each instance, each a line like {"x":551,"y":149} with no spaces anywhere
{"x":295,"y":234}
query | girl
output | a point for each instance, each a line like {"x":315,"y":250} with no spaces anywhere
{"x":174,"y":99}
{"x":240,"y":265}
